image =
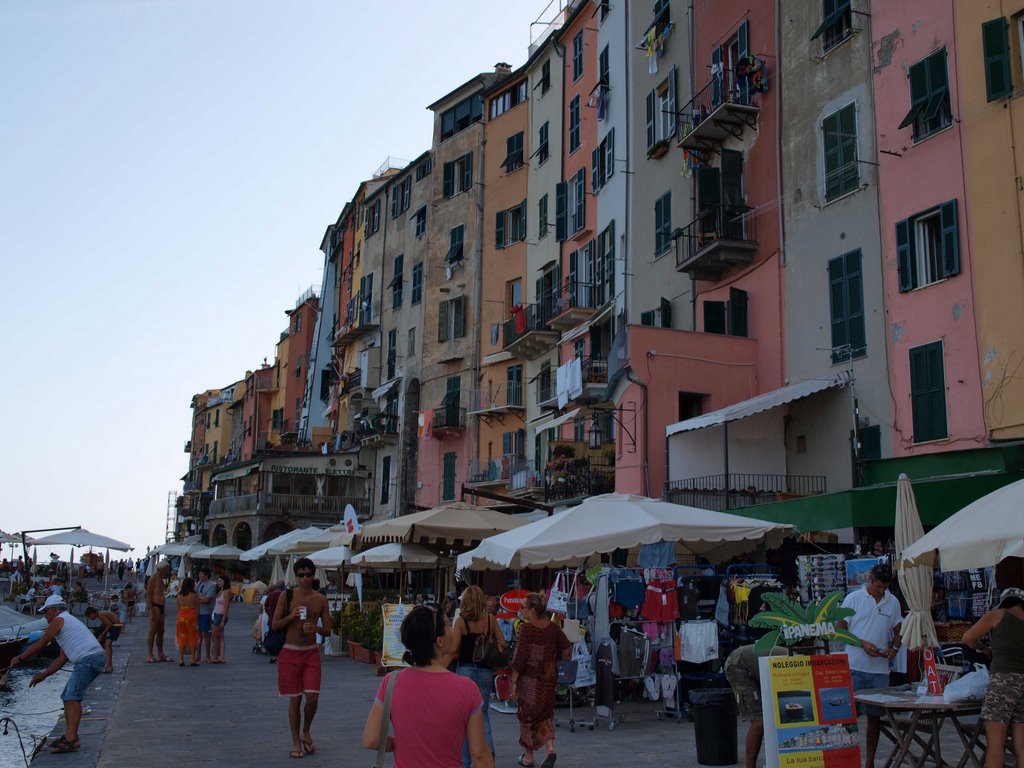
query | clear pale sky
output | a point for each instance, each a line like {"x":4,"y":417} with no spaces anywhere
{"x":167,"y":170}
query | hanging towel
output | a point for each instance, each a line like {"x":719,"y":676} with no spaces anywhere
{"x":660,"y":554}
{"x":575,"y":385}
{"x":699,"y":641}
{"x":562,"y":385}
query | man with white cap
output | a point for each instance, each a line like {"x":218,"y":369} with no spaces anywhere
{"x":156,"y":596}
{"x":78,"y":646}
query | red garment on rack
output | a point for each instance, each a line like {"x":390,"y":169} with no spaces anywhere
{"x":660,"y":601}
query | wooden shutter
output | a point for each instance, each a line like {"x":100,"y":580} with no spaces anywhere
{"x":499,"y":229}
{"x":950,"y":239}
{"x":850,"y":171}
{"x":928,"y":392}
{"x":574,"y":276}
{"x":510,"y":150}
{"x":709,"y":186}
{"x":996,"y":41}
{"x":737,"y":312}
{"x":595,"y":169}
{"x":670,"y":100}
{"x":561,"y":206}
{"x":717,"y":78}
{"x":732,"y":179}
{"x":394,"y":202}
{"x":647,"y":318}
{"x":609,"y":261}
{"x":442,"y":321}
{"x":855,"y":303}
{"x":448,"y":482}
{"x":666,"y":313}
{"x":652,"y":134}
{"x":837,"y":306}
{"x":467,"y":171}
{"x":918,"y":92}
{"x":833,"y":158}
{"x":905,"y":255}
{"x":522,"y":220}
{"x":609,"y":153}
{"x":581,"y":200}
{"x":449,"y":180}
{"x":459,"y":323}
{"x":714,"y":317}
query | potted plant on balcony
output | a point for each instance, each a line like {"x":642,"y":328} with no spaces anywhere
{"x":658,"y":149}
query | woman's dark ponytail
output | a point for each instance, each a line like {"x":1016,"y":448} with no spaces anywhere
{"x":420,"y":630}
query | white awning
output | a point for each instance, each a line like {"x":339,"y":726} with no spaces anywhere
{"x":764,"y":402}
{"x":384,"y":388}
{"x":564,"y":418}
{"x":582,"y":328}
{"x":231,"y":474}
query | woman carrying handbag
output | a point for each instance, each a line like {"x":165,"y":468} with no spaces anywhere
{"x":432,"y":710}
{"x":479,"y":644}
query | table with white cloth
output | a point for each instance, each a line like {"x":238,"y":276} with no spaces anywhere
{"x":913,"y":723}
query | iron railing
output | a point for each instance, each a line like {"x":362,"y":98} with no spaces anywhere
{"x":523,"y":475}
{"x":449,"y":417}
{"x":727,"y":87}
{"x":573,"y":294}
{"x":575,"y":478}
{"x":527,"y":319}
{"x":713,"y":223}
{"x":740,"y":489}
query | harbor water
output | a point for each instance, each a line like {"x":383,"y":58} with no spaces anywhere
{"x":32,"y":711}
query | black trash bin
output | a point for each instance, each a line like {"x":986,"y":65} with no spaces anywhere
{"x":714,"y":725}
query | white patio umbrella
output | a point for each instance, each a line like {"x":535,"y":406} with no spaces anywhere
{"x":276,"y":573}
{"x":918,"y":630}
{"x":602,"y":524}
{"x":221,"y":552}
{"x":332,"y":557}
{"x":979,"y":535}
{"x":83,"y":538}
{"x":182,"y":570}
{"x":332,"y":537}
{"x":175,"y":548}
{"x":396,"y":555}
{"x":278,"y":546}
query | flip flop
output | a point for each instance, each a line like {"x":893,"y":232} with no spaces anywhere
{"x":308,"y":746}
{"x":151,"y":660}
{"x":169,"y":661}
{"x":63,"y":745}
{"x":549,"y":761}
{"x":295,"y":753}
{"x":522,"y":763}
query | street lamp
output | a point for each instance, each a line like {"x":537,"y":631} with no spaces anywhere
{"x":595,"y":434}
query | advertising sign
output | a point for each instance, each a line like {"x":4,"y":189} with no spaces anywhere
{"x":810,"y":719}
{"x":510,"y":603}
{"x":392,"y":649}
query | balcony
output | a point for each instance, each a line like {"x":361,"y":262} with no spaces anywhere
{"x":358,"y":320}
{"x":378,"y":429}
{"x":546,"y":397}
{"x":193,"y":486}
{"x":308,"y":508}
{"x":524,"y":479}
{"x":720,"y":236}
{"x":493,"y":472}
{"x":188,"y":446}
{"x":573,"y":303}
{"x":496,"y":402}
{"x":448,"y":420}
{"x":528,"y":333}
{"x":595,"y":380}
{"x":233,"y":505}
{"x":744,"y":490}
{"x":724,"y":108}
{"x":571,"y":478}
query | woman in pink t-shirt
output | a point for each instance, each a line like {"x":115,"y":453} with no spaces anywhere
{"x":432,"y":710}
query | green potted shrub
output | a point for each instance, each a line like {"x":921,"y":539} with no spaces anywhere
{"x":352,"y":626}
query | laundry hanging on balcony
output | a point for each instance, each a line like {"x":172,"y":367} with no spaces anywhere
{"x":569,"y":381}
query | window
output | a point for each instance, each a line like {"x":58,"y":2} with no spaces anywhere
{"x":840,"y":139}
{"x":461,"y":116}
{"x":366,"y":299}
{"x":514,"y":293}
{"x":663,"y":224}
{"x":417,"y":284}
{"x":928,"y":392}
{"x":392,"y":359}
{"x":606,"y":264}
{"x":728,"y":317}
{"x":298,"y":368}
{"x":396,"y":282}
{"x":372,"y":222}
{"x":513,"y":443}
{"x":451,"y":319}
{"x":603,"y":69}
{"x":930,"y":110}
{"x":995,"y":37}
{"x":661,"y":112}
{"x":400,"y":194}
{"x":448,"y":477}
{"x":545,"y":77}
{"x":574,"y":124}
{"x":513,"y":152}
{"x":605,"y":8}
{"x":423,"y":169}
{"x":456,"y":240}
{"x":510,"y":226}
{"x":928,"y":247}
{"x":508,"y":99}
{"x":543,"y":153}
{"x":602,"y":161}
{"x":835,"y":23}
{"x":298,"y":323}
{"x":846,"y":299}
{"x":570,"y":206}
{"x":385,"y":480}
{"x":660,"y":317}
{"x":577,"y":56}
{"x":542,"y":216}
{"x":514,"y":385}
{"x":420,"y":221}
{"x":458,"y":175}
{"x":216,"y":418}
{"x":326,"y":379}
{"x":411,"y":342}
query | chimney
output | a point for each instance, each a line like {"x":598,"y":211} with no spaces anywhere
{"x":501,"y":68}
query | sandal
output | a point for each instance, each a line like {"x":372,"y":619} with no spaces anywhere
{"x":549,"y":761}
{"x":523,"y":763}
{"x":295,"y":753}
{"x":308,"y":746}
{"x":62,"y":745}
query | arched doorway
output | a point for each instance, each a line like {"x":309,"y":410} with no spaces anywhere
{"x":243,"y":536}
{"x":275,"y":529}
{"x":411,"y":444}
{"x":220,"y":536}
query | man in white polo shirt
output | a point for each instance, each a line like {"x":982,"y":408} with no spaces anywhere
{"x":877,"y":623}
{"x":78,"y":645}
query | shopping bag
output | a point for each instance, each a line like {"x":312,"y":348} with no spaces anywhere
{"x":257,"y":629}
{"x":970,"y":687}
{"x":571,"y":628}
{"x":566,"y":671}
{"x":558,"y":596}
{"x":586,"y":672}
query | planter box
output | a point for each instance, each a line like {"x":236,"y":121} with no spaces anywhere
{"x":355,"y":650}
{"x":658,"y":151}
{"x":376,"y":660}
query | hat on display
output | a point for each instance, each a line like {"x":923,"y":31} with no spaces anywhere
{"x":53,"y":601}
{"x":1006,"y":594}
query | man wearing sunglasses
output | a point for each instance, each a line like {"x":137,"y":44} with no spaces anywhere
{"x":302,"y":614}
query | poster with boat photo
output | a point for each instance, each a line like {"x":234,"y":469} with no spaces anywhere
{"x":809,"y":716}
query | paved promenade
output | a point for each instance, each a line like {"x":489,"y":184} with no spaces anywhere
{"x":163,"y":715}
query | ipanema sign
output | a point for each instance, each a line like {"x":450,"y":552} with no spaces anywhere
{"x":793,"y":623}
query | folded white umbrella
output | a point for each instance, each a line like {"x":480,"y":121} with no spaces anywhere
{"x":276,"y":574}
{"x":221,"y":552}
{"x":916,"y":581}
{"x":332,"y":557}
{"x":279,"y":545}
{"x":602,"y":524}
{"x":394,"y":555}
{"x":979,"y":535}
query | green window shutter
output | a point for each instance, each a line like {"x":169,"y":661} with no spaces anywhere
{"x":499,"y":229}
{"x":732,"y":179}
{"x":950,"y":239}
{"x":828,"y":13}
{"x":510,"y":151}
{"x":542,"y":216}
{"x":837,"y":302}
{"x":522,"y":220}
{"x":737,"y":312}
{"x":905,"y":255}
{"x":709,"y":187}
{"x":849,"y":170}
{"x":714,"y":317}
{"x":609,"y":264}
{"x":595,"y":166}
{"x":652,"y":135}
{"x":871,"y":443}
{"x":442,"y":321}
{"x":918,"y":92}
{"x":561,"y":211}
{"x":743,"y":49}
{"x":581,"y":200}
{"x":460,"y":318}
{"x":938,"y":85}
{"x":928,"y":392}
{"x":666,"y":313}
{"x":448,"y":474}
{"x":467,"y":172}
{"x":995,"y":38}
{"x":609,"y":153}
{"x":449,"y":179}
{"x":647,"y":318}
{"x":833,"y":157}
{"x":670,"y":102}
{"x":855,"y":303}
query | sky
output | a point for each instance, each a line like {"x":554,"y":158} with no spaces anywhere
{"x":167,"y":171}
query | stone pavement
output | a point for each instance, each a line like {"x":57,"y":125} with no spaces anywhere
{"x":157,"y":715}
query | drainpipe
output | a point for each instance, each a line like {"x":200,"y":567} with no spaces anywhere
{"x":380,"y":328}
{"x":778,"y":180}
{"x":633,"y":379}
{"x":474,"y":436}
{"x":693,"y":180}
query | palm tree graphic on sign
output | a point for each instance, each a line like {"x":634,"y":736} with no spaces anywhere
{"x":792,"y":623}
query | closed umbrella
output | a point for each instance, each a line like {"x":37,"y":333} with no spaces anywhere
{"x":918,"y":629}
{"x":276,"y":574}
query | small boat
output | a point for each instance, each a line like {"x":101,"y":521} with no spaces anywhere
{"x":837,"y":702}
{"x":16,"y":630}
{"x":9,"y":649}
{"x":794,"y":711}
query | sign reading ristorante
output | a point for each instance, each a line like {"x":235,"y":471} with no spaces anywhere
{"x":290,"y":469}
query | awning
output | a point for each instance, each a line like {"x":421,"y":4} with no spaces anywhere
{"x":232,"y":474}
{"x":582,"y":328}
{"x":764,"y":402}
{"x":564,"y":418}
{"x":384,"y":388}
{"x":496,"y":357}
